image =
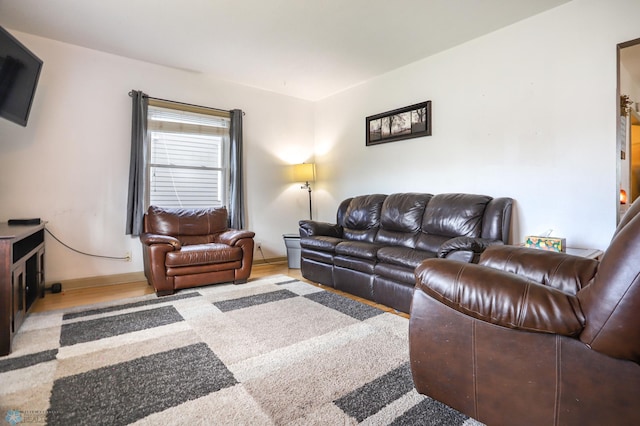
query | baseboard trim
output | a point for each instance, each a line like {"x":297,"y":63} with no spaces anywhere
{"x":105,"y":280}
{"x":271,"y":260}
{"x":100,"y":281}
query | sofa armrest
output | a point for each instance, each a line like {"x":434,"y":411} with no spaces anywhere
{"x":562,"y":271}
{"x":496,"y":222}
{"x":310,"y":228}
{"x":472,"y":245}
{"x":149,"y":239}
{"x":500,"y":298}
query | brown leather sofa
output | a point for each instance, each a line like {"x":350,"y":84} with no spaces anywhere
{"x":378,"y":240}
{"x":193,"y":247}
{"x":533,"y":337}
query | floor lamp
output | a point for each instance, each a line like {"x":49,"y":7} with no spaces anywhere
{"x":305,"y":172}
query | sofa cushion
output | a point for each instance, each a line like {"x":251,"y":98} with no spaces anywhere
{"x":362,"y":217}
{"x":186,"y":223}
{"x":455,"y":215}
{"x":430,"y":242}
{"x":400,"y":219}
{"x":354,"y":264}
{"x":322,"y":243}
{"x":358,"y":249}
{"x":203,"y":254}
{"x":403,"y":256}
{"x":317,"y":255}
{"x":396,"y":273}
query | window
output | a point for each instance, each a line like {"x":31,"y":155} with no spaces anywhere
{"x":188,"y":156}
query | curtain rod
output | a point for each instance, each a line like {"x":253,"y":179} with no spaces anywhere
{"x":182,"y":103}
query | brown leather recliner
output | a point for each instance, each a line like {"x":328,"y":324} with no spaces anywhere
{"x":193,"y":247}
{"x":533,"y":337}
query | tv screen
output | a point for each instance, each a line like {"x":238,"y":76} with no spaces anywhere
{"x":19,"y":73}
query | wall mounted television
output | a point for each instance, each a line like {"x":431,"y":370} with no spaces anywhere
{"x":19,"y":74}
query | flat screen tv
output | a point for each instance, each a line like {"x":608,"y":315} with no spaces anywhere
{"x":19,"y":73}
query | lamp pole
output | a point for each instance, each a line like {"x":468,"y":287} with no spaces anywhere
{"x":306,"y":173}
{"x":307,"y":186}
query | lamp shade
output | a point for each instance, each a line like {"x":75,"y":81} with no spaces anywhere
{"x":305,"y":172}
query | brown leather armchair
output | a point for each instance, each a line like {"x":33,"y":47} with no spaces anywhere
{"x":533,"y":337}
{"x":193,"y":247}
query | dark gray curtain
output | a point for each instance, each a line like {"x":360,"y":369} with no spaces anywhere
{"x":236,"y":194}
{"x":135,"y":201}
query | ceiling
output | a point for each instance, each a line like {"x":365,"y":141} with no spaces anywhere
{"x":306,"y":49}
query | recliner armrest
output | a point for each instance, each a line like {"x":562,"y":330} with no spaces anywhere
{"x":232,"y":236}
{"x":499,"y":297}
{"x":562,"y":271}
{"x":149,"y":239}
{"x":310,"y":228}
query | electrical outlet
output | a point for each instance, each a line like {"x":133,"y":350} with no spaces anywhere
{"x":258,"y":246}
{"x":127,"y":256}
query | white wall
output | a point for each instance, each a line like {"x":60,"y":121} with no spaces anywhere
{"x":70,"y":165}
{"x":526,"y":112}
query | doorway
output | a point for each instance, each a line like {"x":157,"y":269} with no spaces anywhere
{"x":628,"y":118}
{"x":634,"y":157}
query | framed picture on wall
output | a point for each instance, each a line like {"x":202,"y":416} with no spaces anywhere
{"x":413,"y":121}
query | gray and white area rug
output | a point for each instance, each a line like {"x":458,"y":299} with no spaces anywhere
{"x":274,"y":351}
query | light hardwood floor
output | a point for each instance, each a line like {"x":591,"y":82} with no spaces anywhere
{"x":86,"y":296}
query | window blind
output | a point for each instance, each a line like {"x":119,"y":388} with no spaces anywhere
{"x":187,"y":161}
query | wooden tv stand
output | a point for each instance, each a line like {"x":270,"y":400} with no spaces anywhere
{"x":21,"y":276}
